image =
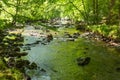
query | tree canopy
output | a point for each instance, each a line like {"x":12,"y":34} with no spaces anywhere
{"x":92,"y":11}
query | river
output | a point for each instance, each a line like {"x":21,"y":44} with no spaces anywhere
{"x":57,"y":59}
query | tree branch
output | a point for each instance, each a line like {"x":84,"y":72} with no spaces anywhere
{"x":77,"y":9}
{"x":7,"y":12}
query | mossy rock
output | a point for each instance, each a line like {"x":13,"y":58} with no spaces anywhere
{"x":33,"y":66}
{"x":9,"y":77}
{"x":22,"y":63}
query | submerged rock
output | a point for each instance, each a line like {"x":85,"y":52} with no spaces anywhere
{"x":76,"y":35}
{"x":43,"y":70}
{"x":118,"y":69}
{"x":37,"y":42}
{"x":82,"y":61}
{"x":26,"y":48}
{"x":70,"y":39}
{"x":67,"y":35}
{"x":49,"y":37}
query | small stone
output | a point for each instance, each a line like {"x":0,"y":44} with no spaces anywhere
{"x":118,"y":69}
{"x":70,"y":39}
{"x":33,"y":66}
{"x":49,"y":37}
{"x":43,"y":70}
{"x":76,"y":35}
{"x":82,"y":61}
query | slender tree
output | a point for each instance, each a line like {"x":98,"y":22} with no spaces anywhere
{"x":16,"y":11}
{"x":119,"y":13}
{"x":110,"y":13}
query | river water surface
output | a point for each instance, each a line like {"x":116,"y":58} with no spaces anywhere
{"x":57,"y":59}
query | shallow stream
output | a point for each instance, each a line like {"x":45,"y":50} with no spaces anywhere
{"x":57,"y":59}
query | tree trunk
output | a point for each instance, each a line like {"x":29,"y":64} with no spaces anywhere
{"x":110,"y":7}
{"x":95,"y":11}
{"x":16,"y":12}
{"x":85,"y":12}
{"x":119,"y":20}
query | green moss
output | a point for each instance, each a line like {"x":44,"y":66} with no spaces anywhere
{"x":9,"y":73}
{"x":101,"y":67}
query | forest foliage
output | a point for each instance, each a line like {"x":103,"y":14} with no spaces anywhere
{"x":92,"y":12}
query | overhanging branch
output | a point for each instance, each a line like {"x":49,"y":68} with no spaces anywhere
{"x":7,"y":12}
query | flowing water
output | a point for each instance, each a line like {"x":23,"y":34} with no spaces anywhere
{"x":57,"y":59}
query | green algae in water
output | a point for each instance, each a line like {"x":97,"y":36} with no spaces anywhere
{"x":101,"y":67}
{"x":59,"y":60}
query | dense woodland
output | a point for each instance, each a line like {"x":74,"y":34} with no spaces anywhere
{"x":103,"y":16}
{"x":91,"y":12}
